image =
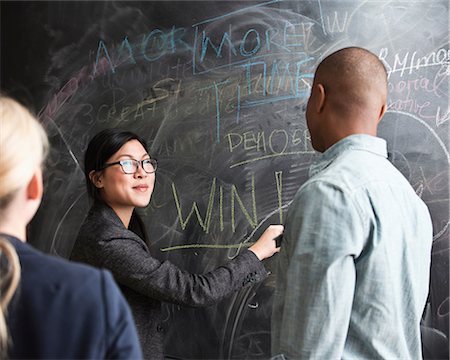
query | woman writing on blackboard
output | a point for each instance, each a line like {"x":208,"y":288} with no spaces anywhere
{"x":120,"y":176}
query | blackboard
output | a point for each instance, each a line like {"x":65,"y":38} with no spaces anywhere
{"x":218,"y":89}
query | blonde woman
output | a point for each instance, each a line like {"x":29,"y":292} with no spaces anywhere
{"x":60,"y":309}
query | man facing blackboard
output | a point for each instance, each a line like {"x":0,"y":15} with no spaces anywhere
{"x":353,"y":271}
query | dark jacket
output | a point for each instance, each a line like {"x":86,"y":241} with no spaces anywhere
{"x":63,"y":310}
{"x":103,"y":241}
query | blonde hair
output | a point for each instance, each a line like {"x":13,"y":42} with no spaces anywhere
{"x":9,"y":279}
{"x":23,"y":147}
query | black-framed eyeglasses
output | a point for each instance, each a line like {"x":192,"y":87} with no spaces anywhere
{"x":130,"y":166}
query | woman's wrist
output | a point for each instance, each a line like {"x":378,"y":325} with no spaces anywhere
{"x":256,"y":252}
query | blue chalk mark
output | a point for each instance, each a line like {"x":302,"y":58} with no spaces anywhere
{"x":287,"y":77}
{"x":286,"y":35}
{"x":269,"y":41}
{"x":248,"y":75}
{"x":253,"y":103}
{"x":265,"y":80}
{"x":239,"y":62}
{"x":273,"y":75}
{"x":205,"y":40}
{"x":126,"y":43}
{"x":238,"y":104}
{"x":194,"y":51}
{"x":217,"y":50}
{"x":305,"y":76}
{"x":101,"y":45}
{"x":321,"y":17}
{"x":175,"y":38}
{"x":255,"y":49}
{"x":235,"y":12}
{"x":145,"y":41}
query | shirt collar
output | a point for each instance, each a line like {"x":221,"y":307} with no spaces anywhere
{"x":361,"y":142}
{"x":17,"y":243}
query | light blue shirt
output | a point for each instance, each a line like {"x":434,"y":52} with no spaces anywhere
{"x":353,"y":271}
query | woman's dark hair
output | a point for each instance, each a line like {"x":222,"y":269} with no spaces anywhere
{"x":101,"y":147}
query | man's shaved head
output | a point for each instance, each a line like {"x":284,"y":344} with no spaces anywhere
{"x":353,"y":77}
{"x":348,"y":96}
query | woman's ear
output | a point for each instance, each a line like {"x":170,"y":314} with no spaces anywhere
{"x":35,"y":187}
{"x":96,"y":178}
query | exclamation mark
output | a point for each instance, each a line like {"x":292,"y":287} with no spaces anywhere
{"x":279,"y":180}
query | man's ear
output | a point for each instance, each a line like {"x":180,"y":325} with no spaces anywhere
{"x":320,"y":98}
{"x":35,"y":187}
{"x":96,"y":178}
{"x":382,"y":111}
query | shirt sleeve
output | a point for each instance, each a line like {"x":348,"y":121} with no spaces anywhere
{"x":121,"y":336}
{"x":316,"y":273}
{"x":133,"y":266}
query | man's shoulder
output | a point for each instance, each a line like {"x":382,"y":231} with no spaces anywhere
{"x":345,"y":176}
{"x":353,"y":170}
{"x":330,"y":179}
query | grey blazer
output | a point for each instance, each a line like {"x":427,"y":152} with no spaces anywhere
{"x":104,"y":242}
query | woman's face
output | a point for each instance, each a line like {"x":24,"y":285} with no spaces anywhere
{"x":120,"y":190}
